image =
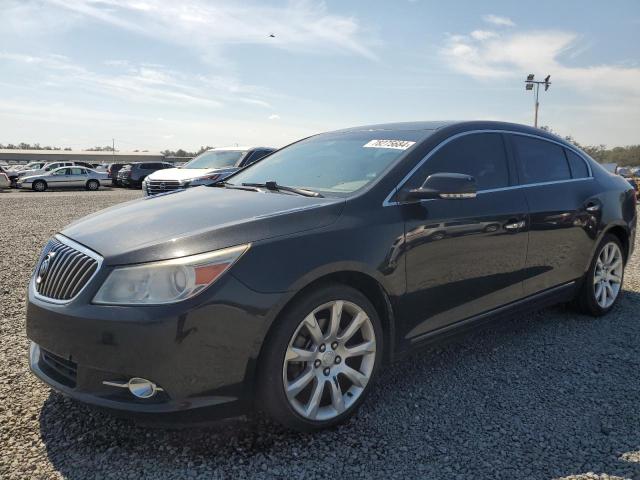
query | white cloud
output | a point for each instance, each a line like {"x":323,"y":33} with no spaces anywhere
{"x":483,"y":34}
{"x":138,"y":83}
{"x":274,"y":116}
{"x":498,"y":20}
{"x":515,"y":55}
{"x":604,"y":90}
{"x":299,"y":25}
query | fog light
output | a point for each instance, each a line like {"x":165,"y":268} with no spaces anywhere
{"x":139,"y":387}
{"x":142,"y":388}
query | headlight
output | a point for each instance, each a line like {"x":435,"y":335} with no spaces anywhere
{"x":168,"y":281}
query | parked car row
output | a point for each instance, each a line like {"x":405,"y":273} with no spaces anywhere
{"x":153,"y":177}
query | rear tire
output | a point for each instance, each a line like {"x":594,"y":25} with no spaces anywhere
{"x":602,"y":285}
{"x":337,"y":363}
{"x":93,"y":185}
{"x":39,"y":186}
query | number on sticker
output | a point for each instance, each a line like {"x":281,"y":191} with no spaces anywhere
{"x":395,"y":144}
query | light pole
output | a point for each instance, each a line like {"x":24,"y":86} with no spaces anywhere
{"x":530,"y":84}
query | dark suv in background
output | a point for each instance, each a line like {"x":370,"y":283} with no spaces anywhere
{"x":132,"y":174}
{"x":112,"y":171}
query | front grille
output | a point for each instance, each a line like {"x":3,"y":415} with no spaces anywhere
{"x":60,"y":369}
{"x":63,"y":271}
{"x":161,"y":186}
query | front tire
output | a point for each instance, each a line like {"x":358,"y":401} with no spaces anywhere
{"x":602,"y":285}
{"x":93,"y":185}
{"x":321,"y":359}
{"x":39,"y":186}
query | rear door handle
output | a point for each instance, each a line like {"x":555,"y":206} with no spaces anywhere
{"x":512,"y":226}
{"x":592,"y":206}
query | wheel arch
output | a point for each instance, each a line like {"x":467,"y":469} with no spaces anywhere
{"x":364,"y":283}
{"x":621,"y":233}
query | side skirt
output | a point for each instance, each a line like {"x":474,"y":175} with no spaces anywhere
{"x":560,"y":294}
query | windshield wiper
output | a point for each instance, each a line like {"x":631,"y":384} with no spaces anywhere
{"x":272,"y":185}
{"x":234,"y":186}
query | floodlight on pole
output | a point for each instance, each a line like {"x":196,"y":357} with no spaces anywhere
{"x":530,"y":83}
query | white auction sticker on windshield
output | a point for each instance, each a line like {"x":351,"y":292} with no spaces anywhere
{"x":395,"y":144}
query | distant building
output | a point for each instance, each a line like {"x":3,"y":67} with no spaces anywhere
{"x":24,"y":156}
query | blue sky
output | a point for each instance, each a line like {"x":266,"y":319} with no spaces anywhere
{"x":166,"y":74}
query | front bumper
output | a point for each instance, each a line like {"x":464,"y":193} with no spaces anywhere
{"x":202,"y":354}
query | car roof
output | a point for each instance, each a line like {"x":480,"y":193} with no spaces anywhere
{"x":439,"y":125}
{"x":424,"y":125}
{"x":431,"y":127}
{"x":236,"y":149}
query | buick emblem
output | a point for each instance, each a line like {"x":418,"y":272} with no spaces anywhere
{"x":44,"y":267}
{"x":163,"y":185}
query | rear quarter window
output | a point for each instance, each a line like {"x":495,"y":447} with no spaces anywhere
{"x":540,"y":161}
{"x":577,"y":165}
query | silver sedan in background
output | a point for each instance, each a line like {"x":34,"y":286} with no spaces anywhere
{"x":64,"y":177}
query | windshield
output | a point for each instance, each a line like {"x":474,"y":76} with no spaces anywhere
{"x":333,"y":163}
{"x":216,"y":159}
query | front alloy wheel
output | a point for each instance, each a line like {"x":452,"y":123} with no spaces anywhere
{"x":321,"y":358}
{"x":329,"y":360}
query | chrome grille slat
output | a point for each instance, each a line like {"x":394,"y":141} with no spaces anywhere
{"x":88,"y":270}
{"x":161,"y":186}
{"x":62,"y":265}
{"x":53,"y":266}
{"x":69,"y":269}
{"x":75,"y":267}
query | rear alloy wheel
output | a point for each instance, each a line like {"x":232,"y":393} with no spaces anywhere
{"x":607,"y":277}
{"x":327,"y":350}
{"x":603,"y":282}
{"x":39,"y":185}
{"x":93,"y":185}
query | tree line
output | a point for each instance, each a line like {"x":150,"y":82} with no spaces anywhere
{"x":628,"y":156}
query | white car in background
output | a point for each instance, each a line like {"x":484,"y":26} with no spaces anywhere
{"x":207,"y":168}
{"x":64,"y":177}
{"x":47,"y":167}
{"x":28,"y":166}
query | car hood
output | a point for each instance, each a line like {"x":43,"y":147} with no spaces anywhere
{"x":197,"y":220}
{"x":184,"y":173}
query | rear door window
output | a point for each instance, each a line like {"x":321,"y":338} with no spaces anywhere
{"x":578,"y":166}
{"x":540,"y":161}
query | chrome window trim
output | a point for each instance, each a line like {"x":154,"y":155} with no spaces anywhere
{"x":81,"y":249}
{"x":387,"y":201}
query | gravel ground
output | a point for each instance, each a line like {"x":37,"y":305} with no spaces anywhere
{"x":549,"y":395}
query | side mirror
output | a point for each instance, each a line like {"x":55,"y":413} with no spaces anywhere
{"x":445,"y":185}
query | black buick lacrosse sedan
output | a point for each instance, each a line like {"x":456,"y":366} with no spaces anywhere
{"x":286,"y":287}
